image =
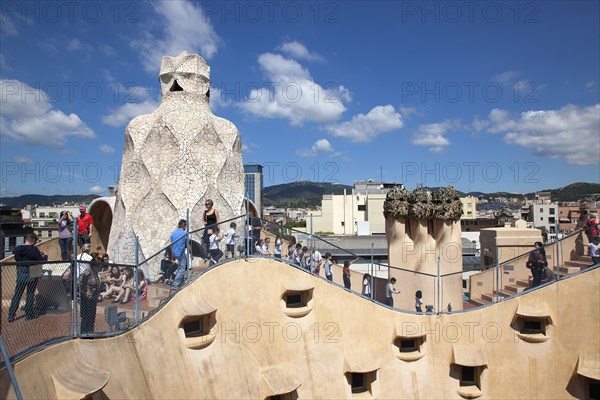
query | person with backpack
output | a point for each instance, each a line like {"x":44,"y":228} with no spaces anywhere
{"x":213,"y":245}
{"x":592,"y":227}
{"x":536,"y":263}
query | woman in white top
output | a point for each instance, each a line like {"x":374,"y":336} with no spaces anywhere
{"x":260,"y":247}
{"x":213,"y":244}
{"x":265,"y":247}
{"x":277,"y":248}
{"x":367,"y":285}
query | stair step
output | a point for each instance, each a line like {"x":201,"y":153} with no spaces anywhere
{"x":504,"y":293}
{"x":584,"y":258}
{"x":491,"y":297}
{"x":514,"y":288}
{"x":578,"y":263}
{"x":523,"y":282}
{"x":568,"y":270}
{"x":479,"y":302}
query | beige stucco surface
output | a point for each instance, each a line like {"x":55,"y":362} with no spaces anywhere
{"x":255,"y":349}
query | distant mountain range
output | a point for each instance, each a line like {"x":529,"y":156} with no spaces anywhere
{"x":310,"y":194}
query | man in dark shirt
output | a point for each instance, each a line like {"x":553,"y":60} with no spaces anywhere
{"x":26,"y":253}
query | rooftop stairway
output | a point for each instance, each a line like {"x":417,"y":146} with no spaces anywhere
{"x":570,"y":246}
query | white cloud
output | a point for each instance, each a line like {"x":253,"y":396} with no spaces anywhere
{"x":106,"y":149}
{"x":74,"y":44}
{"x":570,"y":133}
{"x":298,"y":51}
{"x":293,"y":94}
{"x":248,"y":147}
{"x":506,"y":77}
{"x":183,"y":27}
{"x":590,"y":85}
{"x":141,"y":102}
{"x":96,"y":189}
{"x":122,"y":115}
{"x":27,"y":116}
{"x":22,"y":159}
{"x":320,"y":146}
{"x":432,"y":135}
{"x":107,"y":50}
{"x":364,"y":128}
{"x":7,"y":26}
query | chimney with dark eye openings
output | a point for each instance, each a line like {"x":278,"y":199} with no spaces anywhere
{"x":176,"y":87}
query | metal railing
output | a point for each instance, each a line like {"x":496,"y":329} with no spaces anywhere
{"x":86,"y":299}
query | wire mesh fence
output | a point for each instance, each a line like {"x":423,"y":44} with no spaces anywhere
{"x":57,"y":300}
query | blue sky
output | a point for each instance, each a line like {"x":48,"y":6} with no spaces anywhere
{"x":484,"y":96}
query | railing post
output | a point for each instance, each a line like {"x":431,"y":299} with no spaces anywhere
{"x":497,"y":274}
{"x":248,"y":227}
{"x":439,"y":305}
{"x":74,"y":274}
{"x":137,"y":280}
{"x":557,"y":251}
{"x":311,"y":231}
{"x":372,"y":271}
{"x":11,"y":374}
{"x":188,"y":255}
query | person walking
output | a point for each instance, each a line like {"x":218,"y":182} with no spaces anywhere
{"x":537,"y":262}
{"x":390,"y":291}
{"x":26,"y":253}
{"x":179,"y":252}
{"x":65,"y":234}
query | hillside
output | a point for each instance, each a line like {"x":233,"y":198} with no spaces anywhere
{"x":43,"y":200}
{"x":300,"y":194}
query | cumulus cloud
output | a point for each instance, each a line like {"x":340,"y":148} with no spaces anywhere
{"x":22,"y":159}
{"x":27,"y":116}
{"x":183,"y":26}
{"x":366,"y":127}
{"x":122,"y":115}
{"x":106,"y":149}
{"x":298,"y":51}
{"x":569,"y":133}
{"x":293,"y":94}
{"x":506,"y":77}
{"x":96,"y":189}
{"x":432,"y":135}
{"x":140,"y":102}
{"x":320,"y":146}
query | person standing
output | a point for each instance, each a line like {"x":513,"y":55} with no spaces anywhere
{"x":211,"y":219}
{"x":537,"y":262}
{"x":366,"y":284}
{"x":230,"y":240}
{"x":327,"y":267}
{"x":277,"y":247}
{"x":256,"y":226}
{"x":65,"y":234}
{"x":25,"y":253}
{"x":89,"y":293}
{"x":213,"y":245}
{"x":316,"y":260}
{"x":418,"y":301}
{"x":346,"y":275}
{"x":390,"y":291}
{"x":85,"y":222}
{"x":179,"y":252}
{"x":594,"y":249}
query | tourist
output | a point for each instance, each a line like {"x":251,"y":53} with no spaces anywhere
{"x":366,"y":285}
{"x":85,"y":258}
{"x":291,"y":248}
{"x":85,"y":222}
{"x":594,"y":249}
{"x":277,"y":247}
{"x":346,"y":275}
{"x":418,"y":301}
{"x":113,"y":283}
{"x":168,"y":267}
{"x":65,"y":234}
{"x":592,"y":227}
{"x":211,"y":219}
{"x":89,"y":289}
{"x":327,"y":267}
{"x":179,"y":252}
{"x":296,"y":254}
{"x":390,"y":291}
{"x":26,"y":253}
{"x":265,"y":247}
{"x":230,"y":240}
{"x":316,"y":260}
{"x":213,"y":245}
{"x":126,"y":288}
{"x":537,"y":262}
{"x":142,"y":286}
{"x":256,"y":228}
{"x":303,"y":256}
